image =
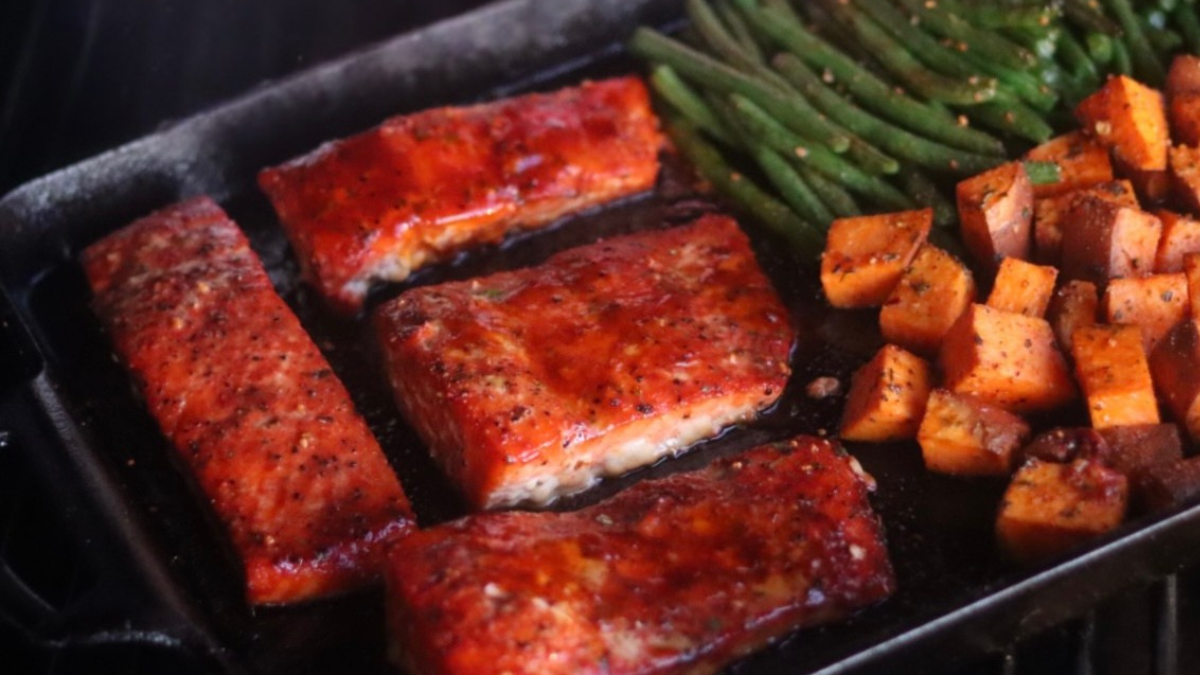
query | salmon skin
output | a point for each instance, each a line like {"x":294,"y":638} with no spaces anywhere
{"x":249,"y":402}
{"x":677,"y":575}
{"x":422,"y":187}
{"x":532,"y":384}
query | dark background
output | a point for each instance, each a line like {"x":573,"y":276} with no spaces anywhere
{"x":78,"y":77}
{"x":81,"y":76}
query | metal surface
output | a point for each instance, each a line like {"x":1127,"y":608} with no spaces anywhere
{"x":156,"y":569}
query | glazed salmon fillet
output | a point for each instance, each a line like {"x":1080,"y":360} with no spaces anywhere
{"x":676,"y":575}
{"x":532,"y":384}
{"x":250,"y":404}
{"x":422,"y":187}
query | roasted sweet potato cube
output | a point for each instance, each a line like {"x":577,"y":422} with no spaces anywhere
{"x":1180,"y":235}
{"x":1153,"y":186}
{"x":1051,"y":508}
{"x":1131,"y":449}
{"x":1191,"y":270}
{"x":1049,"y":215}
{"x":1022,"y":287}
{"x":1081,"y":161}
{"x":1075,"y":305}
{"x":996,"y":210}
{"x":1065,"y":444}
{"x":1184,"y":75}
{"x":1154,"y":304}
{"x":1010,"y":360}
{"x":887,"y":397}
{"x":866,"y":255}
{"x":1130,"y":118}
{"x":1168,"y":486}
{"x":1103,"y":240}
{"x":933,"y":292}
{"x":1175,"y":367}
{"x":1110,"y":363}
{"x":1183,"y":99}
{"x":1185,"y":175}
{"x":964,"y":436}
{"x":1185,"y":118}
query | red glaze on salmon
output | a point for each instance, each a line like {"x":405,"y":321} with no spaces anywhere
{"x":531,"y":384}
{"x":677,"y":575}
{"x":249,"y":402}
{"x":422,"y":187}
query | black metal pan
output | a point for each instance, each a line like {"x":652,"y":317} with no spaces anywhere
{"x":157,"y":568}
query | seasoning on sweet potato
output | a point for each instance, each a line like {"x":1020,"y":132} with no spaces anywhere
{"x":1007,"y":359}
{"x":1103,"y":240}
{"x":1110,"y":364}
{"x":1130,"y":118}
{"x":1167,"y":486}
{"x":1185,"y":175}
{"x":996,"y":210}
{"x":933,"y":292}
{"x":1022,"y":287}
{"x":866,"y":255}
{"x":1154,"y":304}
{"x":1133,"y":448}
{"x":1175,"y":367}
{"x":1081,"y":161}
{"x":1191,"y":270}
{"x":964,"y":436}
{"x":887,"y":397}
{"x":1048,"y":215}
{"x":1051,"y":508}
{"x":1065,"y":444}
{"x":1074,"y":305}
{"x":1180,"y":235}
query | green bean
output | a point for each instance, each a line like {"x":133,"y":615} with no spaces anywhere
{"x":925,"y":191}
{"x":1075,"y":58}
{"x":835,"y":197}
{"x":755,"y":122}
{"x":952,"y":27}
{"x":920,"y":43}
{"x":868,"y":90}
{"x":891,"y":139}
{"x":1043,"y":173}
{"x":1184,"y":18}
{"x":794,"y":190}
{"x":896,"y":58}
{"x":667,"y":84}
{"x":1088,"y":15}
{"x":788,"y":107}
{"x":797,"y":193}
{"x":1015,"y":118}
{"x":1122,"y":63}
{"x":807,"y":240}
{"x":1162,"y":40}
{"x":1043,"y":43}
{"x":713,"y":32}
{"x":1030,"y":18}
{"x":1100,"y":47}
{"x":1022,"y":83}
{"x":1145,"y":62}
{"x":740,"y":31}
